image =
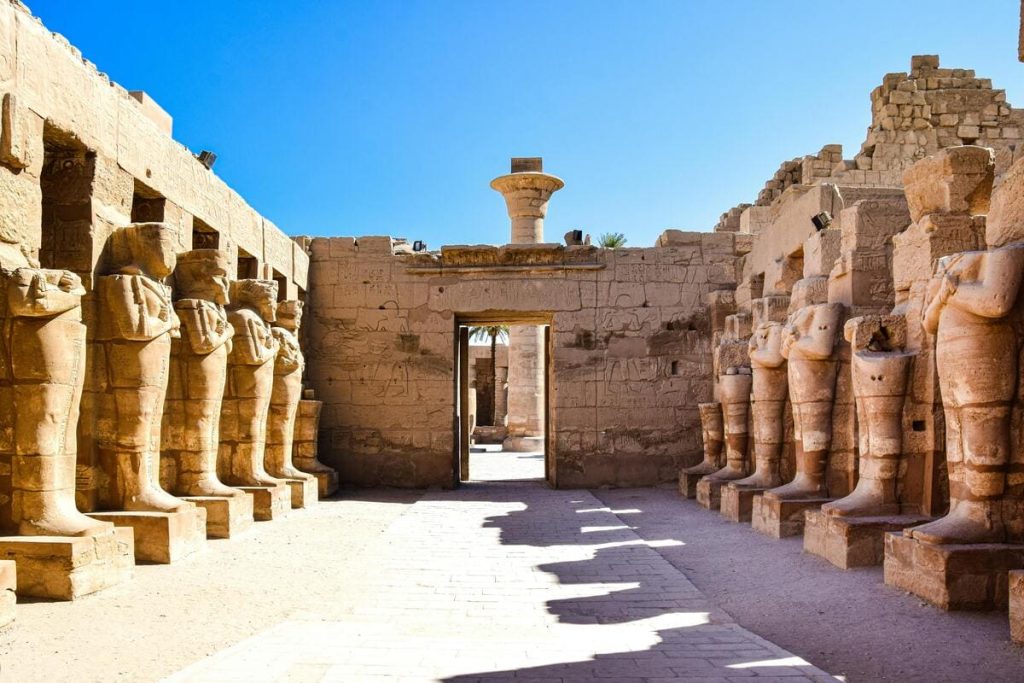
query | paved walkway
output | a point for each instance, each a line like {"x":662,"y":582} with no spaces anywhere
{"x":490,"y":463}
{"x":507,"y":582}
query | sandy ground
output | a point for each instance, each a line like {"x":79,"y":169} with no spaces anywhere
{"x":169,"y":616}
{"x":848,"y":623}
{"x":321,"y":566}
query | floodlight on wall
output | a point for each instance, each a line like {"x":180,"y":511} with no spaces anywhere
{"x":207,"y":159}
{"x":822,"y":221}
{"x":419,"y":245}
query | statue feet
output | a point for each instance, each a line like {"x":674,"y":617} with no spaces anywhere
{"x":756,"y":481}
{"x":970,"y":521}
{"x":863,"y":502}
{"x":210,"y":488}
{"x":702,"y":468}
{"x":64,"y":523}
{"x":153,"y":499}
{"x":801,"y":488}
{"x":292,"y":473}
{"x":727,"y":473}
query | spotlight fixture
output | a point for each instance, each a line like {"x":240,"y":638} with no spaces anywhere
{"x":822,"y":221}
{"x":207,"y":159}
{"x":419,"y":245}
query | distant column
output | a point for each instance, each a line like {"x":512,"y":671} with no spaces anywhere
{"x":527,"y":190}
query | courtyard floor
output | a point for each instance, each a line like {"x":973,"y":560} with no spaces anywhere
{"x":503,"y":581}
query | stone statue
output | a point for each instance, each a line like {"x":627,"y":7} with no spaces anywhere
{"x":43,"y":370}
{"x":287,"y":393}
{"x":808,"y":344}
{"x":768,"y":402}
{"x":711,"y":432}
{"x":250,"y":384}
{"x":136,"y":324}
{"x":880,"y":373}
{"x":976,"y":348}
{"x":735,"y":395}
{"x":191,"y":427}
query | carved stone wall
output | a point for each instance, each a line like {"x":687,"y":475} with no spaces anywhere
{"x":631,"y":352}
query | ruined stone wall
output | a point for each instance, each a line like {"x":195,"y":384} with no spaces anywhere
{"x":630,"y":345}
{"x":65,"y":122}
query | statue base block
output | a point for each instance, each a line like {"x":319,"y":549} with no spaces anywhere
{"x":688,"y":484}
{"x":269,"y":502}
{"x":849,"y":542}
{"x":1017,"y":606}
{"x":68,"y":567}
{"x":781,"y":518}
{"x":738,"y":502}
{"x":162,"y":537}
{"x":523,"y":444}
{"x":8,"y":584}
{"x":709,"y":493}
{"x":304,"y":492}
{"x":226,"y":517}
{"x":952,"y":577}
{"x":327,"y":483}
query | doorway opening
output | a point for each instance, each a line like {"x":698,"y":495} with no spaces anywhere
{"x":502,"y":407}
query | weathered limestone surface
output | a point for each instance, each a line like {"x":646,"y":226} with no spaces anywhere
{"x":713,"y":438}
{"x":631,"y":352}
{"x":1016,"y":592}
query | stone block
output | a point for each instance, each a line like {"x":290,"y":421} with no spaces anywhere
{"x":68,"y":567}
{"x":952,"y":577}
{"x":1005,"y":223}
{"x":226,"y":517}
{"x":821,"y":251}
{"x":709,"y":493}
{"x":688,"y":484}
{"x":737,"y":504}
{"x":956,"y":180}
{"x":8,"y":585}
{"x":781,"y":518}
{"x":162,"y":537}
{"x":849,"y":542}
{"x":1016,"y":599}
{"x":269,"y":502}
{"x":304,"y":492}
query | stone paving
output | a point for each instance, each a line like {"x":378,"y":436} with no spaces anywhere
{"x":490,"y":463}
{"x":509,"y":582}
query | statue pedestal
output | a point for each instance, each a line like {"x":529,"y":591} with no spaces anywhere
{"x":327,"y":483}
{"x":226,"y":517}
{"x":953,"y":577}
{"x":781,"y":518}
{"x":68,"y":567}
{"x":162,"y":537}
{"x":709,"y":492}
{"x":304,"y":492}
{"x":738,"y":502}
{"x":688,"y":482}
{"x":8,"y":584}
{"x":1017,"y":606}
{"x":269,"y":502}
{"x":849,"y":542}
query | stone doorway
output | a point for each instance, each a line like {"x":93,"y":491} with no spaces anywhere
{"x":525,"y":453}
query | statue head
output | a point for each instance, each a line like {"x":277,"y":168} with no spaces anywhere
{"x":259,"y":295}
{"x":289,"y":314}
{"x":203,"y":274}
{"x":766,"y":345}
{"x":37,"y":292}
{"x":144,"y":248}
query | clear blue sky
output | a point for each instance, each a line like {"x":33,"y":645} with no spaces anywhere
{"x":354,"y":118}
